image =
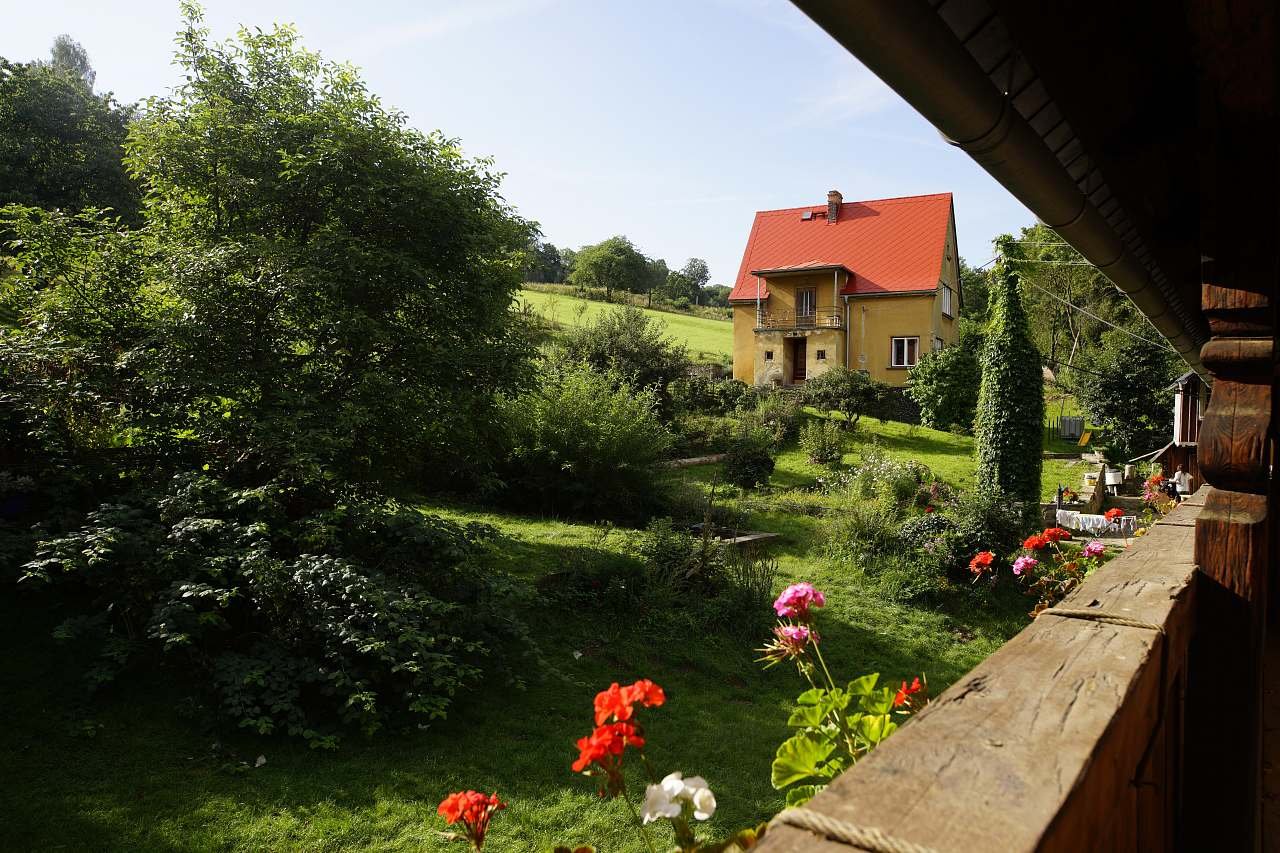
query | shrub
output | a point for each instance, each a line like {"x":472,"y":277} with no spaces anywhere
{"x":1010,"y":420}
{"x":852,"y":393}
{"x":822,"y":442}
{"x":984,"y":521}
{"x":629,"y":345}
{"x":944,"y":384}
{"x":749,"y":461}
{"x":584,"y":443}
{"x":698,"y":394}
{"x":303,"y":610}
{"x":920,"y":529}
{"x":880,"y":475}
{"x":699,"y":434}
{"x":780,"y":413}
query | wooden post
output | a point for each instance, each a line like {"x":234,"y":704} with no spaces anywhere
{"x":1223,"y":724}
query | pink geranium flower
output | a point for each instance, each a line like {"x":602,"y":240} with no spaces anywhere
{"x":1024,"y":564}
{"x":795,"y":601}
{"x":1094,"y":549}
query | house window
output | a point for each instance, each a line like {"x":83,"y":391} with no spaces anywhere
{"x":946,"y":301}
{"x":904,"y":352}
{"x":937,"y":344}
{"x":768,"y":355}
{"x":822,"y":355}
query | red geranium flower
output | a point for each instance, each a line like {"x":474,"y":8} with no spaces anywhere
{"x":474,"y":810}
{"x":1035,"y":542}
{"x":904,"y":692}
{"x":619,"y":702}
{"x":981,"y":562}
{"x":1056,"y":534}
{"x":1113,"y":513}
{"x":928,"y":509}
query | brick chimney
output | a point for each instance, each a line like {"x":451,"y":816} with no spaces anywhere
{"x":834,"y":200}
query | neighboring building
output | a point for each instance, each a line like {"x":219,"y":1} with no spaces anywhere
{"x":867,"y":284}
{"x":1190,"y":398}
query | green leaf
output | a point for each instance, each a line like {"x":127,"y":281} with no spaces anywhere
{"x":801,"y":794}
{"x":814,"y":705}
{"x":864,"y":685}
{"x":801,"y":757}
{"x":875,"y":727}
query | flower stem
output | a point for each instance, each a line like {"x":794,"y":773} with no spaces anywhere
{"x":648,"y":842}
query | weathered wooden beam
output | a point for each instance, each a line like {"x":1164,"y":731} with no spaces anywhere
{"x":1065,"y":739}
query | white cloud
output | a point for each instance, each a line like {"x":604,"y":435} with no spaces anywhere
{"x":853,"y":93}
{"x":446,"y":21}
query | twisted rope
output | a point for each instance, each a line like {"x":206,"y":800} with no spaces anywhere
{"x":1102,"y":616}
{"x":863,"y":837}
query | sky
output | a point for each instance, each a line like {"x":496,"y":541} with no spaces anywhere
{"x":668,"y":121}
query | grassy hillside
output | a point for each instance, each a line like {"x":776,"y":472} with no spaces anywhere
{"x":707,"y":339}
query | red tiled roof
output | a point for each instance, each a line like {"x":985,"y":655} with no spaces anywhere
{"x":892,"y":245}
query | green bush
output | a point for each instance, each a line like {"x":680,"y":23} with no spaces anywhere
{"x":584,"y":443}
{"x":984,"y":521}
{"x":822,"y":442}
{"x":779,"y":413}
{"x":945,"y":386}
{"x":303,"y":610}
{"x":698,"y":394}
{"x":749,"y":461}
{"x":852,"y":393}
{"x":695,"y":435}
{"x":631,"y":346}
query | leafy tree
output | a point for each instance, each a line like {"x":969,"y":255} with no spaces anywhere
{"x":612,"y":264}
{"x":974,"y":292}
{"x":852,"y":393}
{"x":69,"y":55}
{"x":626,"y":341}
{"x":60,"y":144}
{"x":687,"y":282}
{"x":1010,"y":418}
{"x":545,"y":263}
{"x":716,"y":295}
{"x":656,"y":276}
{"x":1127,"y":393}
{"x":944,"y":384}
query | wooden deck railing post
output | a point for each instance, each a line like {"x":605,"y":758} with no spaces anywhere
{"x":1223,"y":726}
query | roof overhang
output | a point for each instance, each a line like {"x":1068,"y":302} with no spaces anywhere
{"x":1081,"y":146}
{"x":782,"y":272}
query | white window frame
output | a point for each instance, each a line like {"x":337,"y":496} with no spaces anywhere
{"x":947,"y":306}
{"x":910,"y":346}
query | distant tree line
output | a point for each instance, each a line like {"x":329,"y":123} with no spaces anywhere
{"x":616,"y":264}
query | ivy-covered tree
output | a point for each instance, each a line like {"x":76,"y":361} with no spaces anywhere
{"x":1009,"y":425}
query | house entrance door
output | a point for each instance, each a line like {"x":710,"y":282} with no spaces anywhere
{"x":799,"y":355}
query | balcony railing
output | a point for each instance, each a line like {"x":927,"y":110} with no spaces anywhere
{"x":1069,"y":737}
{"x":821,"y":318}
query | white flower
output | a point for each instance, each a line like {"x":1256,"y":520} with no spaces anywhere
{"x":698,"y":793}
{"x":662,"y":800}
{"x":667,"y":798}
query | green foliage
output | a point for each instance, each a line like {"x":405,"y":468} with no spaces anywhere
{"x":822,"y":441}
{"x":545,"y":262}
{"x":60,"y":144}
{"x":945,"y":385}
{"x":1009,"y":426}
{"x":303,"y":611}
{"x":749,"y":462}
{"x":711,"y":396}
{"x":779,"y":413}
{"x":632,"y":346}
{"x":697,"y":435}
{"x":1128,"y":394}
{"x":584,"y":442}
{"x":974,"y":292}
{"x":852,"y":393}
{"x":982,"y":521}
{"x":613,"y":264}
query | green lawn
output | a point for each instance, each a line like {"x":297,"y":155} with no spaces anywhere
{"x":154,"y":777}
{"x":707,"y":339}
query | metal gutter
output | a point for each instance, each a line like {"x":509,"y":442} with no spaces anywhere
{"x":911,"y":49}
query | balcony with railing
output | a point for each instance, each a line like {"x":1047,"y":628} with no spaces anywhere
{"x":819,"y":318}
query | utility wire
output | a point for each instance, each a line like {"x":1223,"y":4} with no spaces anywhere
{"x":1086,"y":312}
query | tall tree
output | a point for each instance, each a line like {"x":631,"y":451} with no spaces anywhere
{"x":60,"y":144}
{"x":973,"y":292}
{"x":1010,"y":417}
{"x":1127,"y":392}
{"x":69,"y":55}
{"x":545,"y":263}
{"x":611,"y":264}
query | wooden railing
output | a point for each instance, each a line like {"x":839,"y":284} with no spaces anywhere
{"x":1069,"y":737}
{"x":820,"y":318}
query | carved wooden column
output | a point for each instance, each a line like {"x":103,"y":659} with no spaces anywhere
{"x":1222,"y":737}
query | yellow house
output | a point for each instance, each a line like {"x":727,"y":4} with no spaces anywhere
{"x":866,"y":284}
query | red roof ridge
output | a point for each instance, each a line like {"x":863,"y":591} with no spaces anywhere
{"x":823,"y":207}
